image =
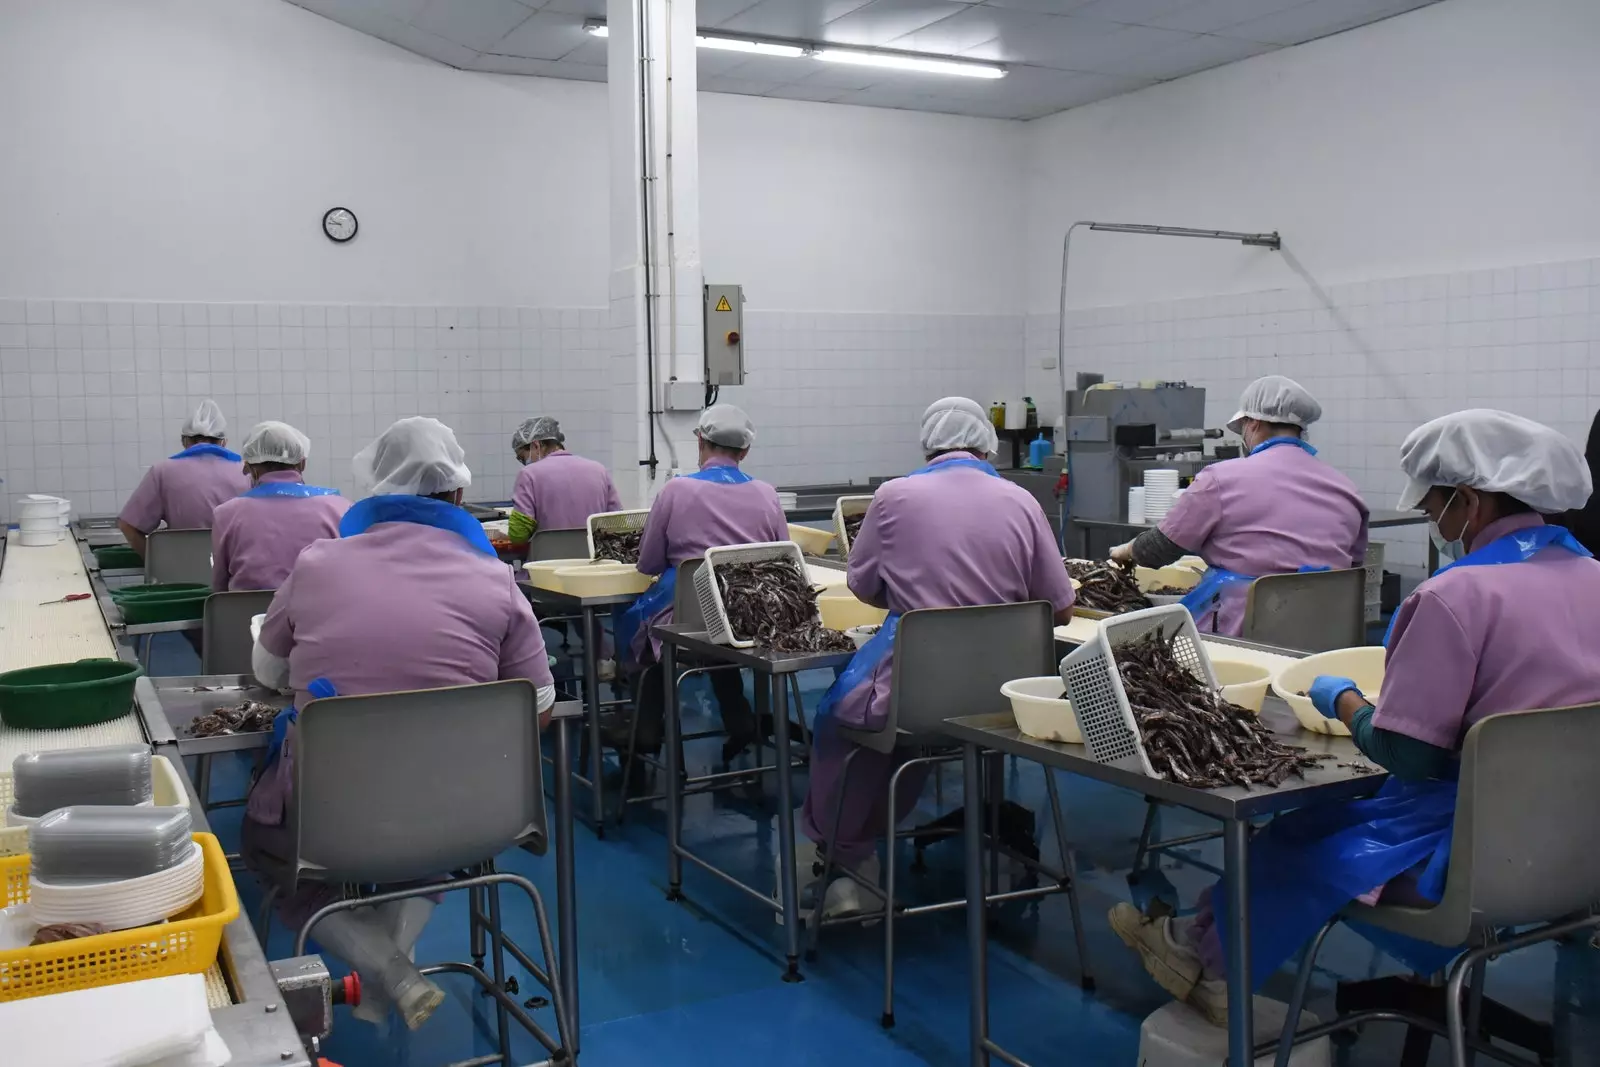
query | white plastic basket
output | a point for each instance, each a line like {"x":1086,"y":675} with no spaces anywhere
{"x":616,"y":522}
{"x":1094,"y":683}
{"x":718,"y":629}
{"x":847,"y":507}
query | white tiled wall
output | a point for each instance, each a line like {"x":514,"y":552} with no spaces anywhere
{"x":93,"y":392}
{"x":1381,"y":356}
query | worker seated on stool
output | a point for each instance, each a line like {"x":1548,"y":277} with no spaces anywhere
{"x":183,"y":489}
{"x":716,"y":506}
{"x":951,"y":534}
{"x":1276,"y":510}
{"x":256,"y":537}
{"x":555,"y":489}
{"x":409,"y":596}
{"x":1505,"y":627}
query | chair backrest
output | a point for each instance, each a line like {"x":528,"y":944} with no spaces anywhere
{"x":558,"y":544}
{"x":178,"y":556}
{"x":397,"y":786}
{"x":227,"y":643}
{"x":1526,"y":844}
{"x":685,"y":604}
{"x":1313,"y":611}
{"x":953,"y":661}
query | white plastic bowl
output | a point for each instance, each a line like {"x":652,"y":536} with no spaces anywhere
{"x":256,"y":622}
{"x":1042,"y":710}
{"x":861,"y":634}
{"x":1362,"y":665}
{"x":1244,"y":684}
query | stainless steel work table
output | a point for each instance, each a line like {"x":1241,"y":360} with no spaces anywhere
{"x":1327,"y":783}
{"x":772,"y":670}
{"x":167,"y":706}
{"x":588,"y":608}
{"x":99,"y":583}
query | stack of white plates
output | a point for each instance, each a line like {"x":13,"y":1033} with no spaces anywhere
{"x":39,"y":520}
{"x":1160,"y":487}
{"x":124,"y":904}
{"x":790,"y":501}
{"x":1136,"y":504}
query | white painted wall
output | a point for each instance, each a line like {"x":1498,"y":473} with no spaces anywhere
{"x":1458,"y":136}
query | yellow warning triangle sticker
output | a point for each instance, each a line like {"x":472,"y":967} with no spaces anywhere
{"x":722,"y":305}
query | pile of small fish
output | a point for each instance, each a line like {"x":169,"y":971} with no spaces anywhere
{"x":251,"y":717}
{"x":773,"y":604}
{"x":1167,"y":590}
{"x":1106,"y":586}
{"x":49,"y":935}
{"x":852,"y":525}
{"x":621,"y":546}
{"x":1193,"y":736}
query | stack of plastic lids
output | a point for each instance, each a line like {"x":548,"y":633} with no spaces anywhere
{"x":116,"y":775}
{"x":1160,"y":488}
{"x":1136,"y":504}
{"x":118,"y":866}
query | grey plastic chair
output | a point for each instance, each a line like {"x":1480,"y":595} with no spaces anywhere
{"x":400,"y":788}
{"x":558,"y":544}
{"x":1525,"y":851}
{"x":1314,"y":611}
{"x":950,"y":662}
{"x":226,"y":625}
{"x":178,"y":556}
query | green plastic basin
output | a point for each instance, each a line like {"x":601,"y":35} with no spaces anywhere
{"x":59,"y":695}
{"x":118,"y":557}
{"x":164,"y":602}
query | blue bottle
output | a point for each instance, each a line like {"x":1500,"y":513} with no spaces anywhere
{"x":1037,"y":451}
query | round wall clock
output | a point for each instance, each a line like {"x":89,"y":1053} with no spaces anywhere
{"x":339,"y":224}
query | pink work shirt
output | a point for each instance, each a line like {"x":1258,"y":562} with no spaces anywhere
{"x":183,"y":492}
{"x":255,"y":540}
{"x":561,"y":491}
{"x":1274,"y":512}
{"x":690,"y":516}
{"x":948,"y":539}
{"x":1477,"y":641}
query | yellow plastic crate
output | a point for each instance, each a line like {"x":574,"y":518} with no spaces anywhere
{"x":186,"y":944}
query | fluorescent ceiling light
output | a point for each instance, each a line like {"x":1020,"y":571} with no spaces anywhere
{"x":734,"y":44}
{"x":895,"y":61}
{"x":598,"y":29}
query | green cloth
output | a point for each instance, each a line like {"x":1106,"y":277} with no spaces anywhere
{"x":1402,"y":756}
{"x":520,"y":528}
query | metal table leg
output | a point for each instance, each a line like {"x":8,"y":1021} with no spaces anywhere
{"x":591,"y":707}
{"x":1236,"y":865}
{"x":669,"y":715}
{"x":566,"y":877}
{"x":977,"y":933}
{"x":785,"y":767}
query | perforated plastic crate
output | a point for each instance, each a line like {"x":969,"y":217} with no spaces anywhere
{"x":1094,"y":682}
{"x":616,"y":522}
{"x":709,"y":593}
{"x":847,"y":507}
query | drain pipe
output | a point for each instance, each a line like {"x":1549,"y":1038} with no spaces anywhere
{"x":645,"y":390}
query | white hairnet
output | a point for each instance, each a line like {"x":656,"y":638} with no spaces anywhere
{"x":1276,"y":399}
{"x":1497,"y":452}
{"x":726,"y":425}
{"x":416,"y":456}
{"x":207,"y":421}
{"x":275,"y":442}
{"x":543,"y":428}
{"x":957,"y":423}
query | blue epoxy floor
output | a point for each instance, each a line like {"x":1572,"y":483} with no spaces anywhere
{"x":700,"y":981}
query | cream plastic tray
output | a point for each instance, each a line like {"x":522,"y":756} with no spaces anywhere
{"x":841,"y":610}
{"x":1364,"y":666}
{"x":542,"y":573}
{"x":1178,"y":577}
{"x":812,"y":541}
{"x":602,"y":579}
{"x":827,"y":577}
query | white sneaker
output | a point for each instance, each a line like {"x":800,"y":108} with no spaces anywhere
{"x":807,"y":872}
{"x":1174,"y":966}
{"x":1210,"y":998}
{"x":605,"y":670}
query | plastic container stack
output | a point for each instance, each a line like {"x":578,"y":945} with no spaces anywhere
{"x":1160,"y":489}
{"x":39,"y":520}
{"x":117,"y":866}
{"x":1136,"y":505}
{"x":113,"y":776}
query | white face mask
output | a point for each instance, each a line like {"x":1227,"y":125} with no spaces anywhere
{"x":1448,"y":550}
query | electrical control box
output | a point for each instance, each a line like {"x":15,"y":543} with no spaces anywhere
{"x":724,"y":318}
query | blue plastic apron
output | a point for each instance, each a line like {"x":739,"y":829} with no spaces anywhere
{"x":422,"y":510}
{"x":1307,"y":865}
{"x":659,"y":596}
{"x":1207,"y":595}
{"x":289,"y":489}
{"x":207,"y":450}
{"x":864,"y":663}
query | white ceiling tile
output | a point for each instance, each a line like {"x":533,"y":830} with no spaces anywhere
{"x":1199,"y":53}
{"x":474,"y":24}
{"x":711,"y":12}
{"x":883,"y":21}
{"x":808,"y":91}
{"x":789,"y":18}
{"x":1311,"y":20}
{"x":543,"y":35}
{"x":592,"y":52}
{"x":775,"y":70}
{"x":587,"y":8}
{"x":842,"y":76}
{"x":1043,"y":7}
{"x":369,"y":19}
{"x":741,"y":86}
{"x":1136,"y":12}
{"x":1210,"y":16}
{"x":1065,"y":42}
{"x":540,"y":68}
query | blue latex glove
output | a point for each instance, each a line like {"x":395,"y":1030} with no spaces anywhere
{"x":1326,"y":690}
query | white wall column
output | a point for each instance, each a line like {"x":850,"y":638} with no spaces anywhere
{"x":656,"y":307}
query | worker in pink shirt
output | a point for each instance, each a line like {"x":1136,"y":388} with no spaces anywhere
{"x":555,"y":490}
{"x":182,"y":490}
{"x":255,"y":538}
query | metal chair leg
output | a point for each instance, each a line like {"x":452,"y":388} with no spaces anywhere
{"x":1480,"y":975}
{"x":497,"y":947}
{"x":886,"y":1020}
{"x":1146,"y":835}
{"x":1069,"y":866}
{"x":1297,"y":1000}
{"x":475,"y":908}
